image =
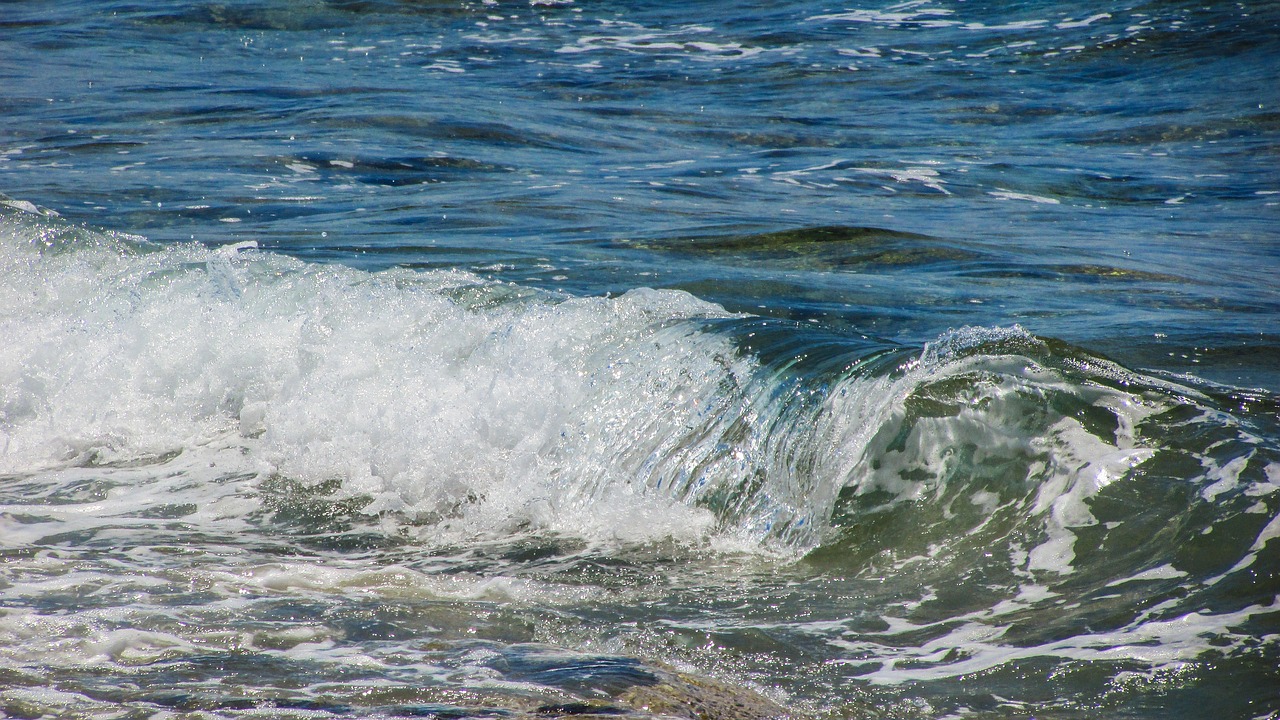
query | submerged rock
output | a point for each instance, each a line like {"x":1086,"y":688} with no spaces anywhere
{"x":683,"y":695}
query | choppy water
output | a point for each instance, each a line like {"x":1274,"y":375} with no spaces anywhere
{"x":550,"y":359}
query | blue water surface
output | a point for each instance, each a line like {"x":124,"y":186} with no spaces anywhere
{"x":1103,"y":173}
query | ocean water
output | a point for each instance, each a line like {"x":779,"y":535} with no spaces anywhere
{"x":802,"y":359}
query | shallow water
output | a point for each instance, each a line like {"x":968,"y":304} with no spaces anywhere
{"x":377,"y":359}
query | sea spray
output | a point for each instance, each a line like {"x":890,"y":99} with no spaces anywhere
{"x":436,"y":397}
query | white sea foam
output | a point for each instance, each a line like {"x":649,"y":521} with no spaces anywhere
{"x":435,"y":395}
{"x":1068,"y":24}
{"x":685,"y":40}
{"x":910,"y":13}
{"x":1011,"y":195}
{"x":1156,"y":643}
{"x":923,"y":175}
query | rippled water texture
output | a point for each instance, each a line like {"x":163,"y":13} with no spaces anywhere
{"x":563,"y":359}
